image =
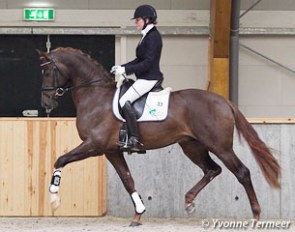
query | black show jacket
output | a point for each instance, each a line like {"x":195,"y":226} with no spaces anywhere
{"x":146,"y":65}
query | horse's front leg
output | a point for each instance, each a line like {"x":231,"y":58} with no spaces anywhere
{"x":83,"y":151}
{"x":119,"y":163}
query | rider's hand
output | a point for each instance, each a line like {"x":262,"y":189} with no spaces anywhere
{"x":119,"y":80}
{"x":118,"y":70}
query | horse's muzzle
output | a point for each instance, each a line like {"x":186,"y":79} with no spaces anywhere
{"x":48,"y":102}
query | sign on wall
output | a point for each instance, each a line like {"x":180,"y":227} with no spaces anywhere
{"x":39,"y":14}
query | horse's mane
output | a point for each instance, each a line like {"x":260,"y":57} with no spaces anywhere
{"x":76,"y":50}
{"x":103,"y":72}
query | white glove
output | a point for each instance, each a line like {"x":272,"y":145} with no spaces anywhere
{"x":119,"y":79}
{"x":118,"y":70}
{"x":113,"y":69}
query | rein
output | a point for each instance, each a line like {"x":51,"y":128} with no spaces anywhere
{"x":60,"y":91}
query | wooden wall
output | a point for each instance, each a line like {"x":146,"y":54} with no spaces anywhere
{"x":28,"y":150}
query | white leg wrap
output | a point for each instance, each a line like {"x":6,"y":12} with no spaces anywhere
{"x":55,"y":181}
{"x":139,"y":207}
{"x":54,"y":201}
{"x":53,"y":197}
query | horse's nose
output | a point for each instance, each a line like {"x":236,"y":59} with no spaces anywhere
{"x":48,"y":102}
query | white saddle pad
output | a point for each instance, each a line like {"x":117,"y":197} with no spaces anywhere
{"x":155,"y":109}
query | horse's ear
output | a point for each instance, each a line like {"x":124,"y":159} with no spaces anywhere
{"x":42,"y":55}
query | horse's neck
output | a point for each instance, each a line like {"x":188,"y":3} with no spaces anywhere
{"x":93,"y":98}
{"x":83,"y":76}
{"x":92,"y":87}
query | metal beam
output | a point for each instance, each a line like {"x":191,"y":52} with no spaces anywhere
{"x":198,"y":30}
{"x":267,"y":58}
{"x":281,"y":31}
{"x":234,"y":53}
{"x":250,"y":8}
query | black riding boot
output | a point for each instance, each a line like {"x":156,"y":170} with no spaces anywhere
{"x":130,"y":117}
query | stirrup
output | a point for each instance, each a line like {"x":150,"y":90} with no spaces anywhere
{"x":125,"y":148}
{"x":130,"y":146}
{"x":134,"y":144}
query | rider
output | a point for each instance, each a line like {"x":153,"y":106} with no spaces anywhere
{"x":146,"y":67}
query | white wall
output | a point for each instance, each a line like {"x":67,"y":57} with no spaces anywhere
{"x":184,"y":60}
{"x":265,"y":89}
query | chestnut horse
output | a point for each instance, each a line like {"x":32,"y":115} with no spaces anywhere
{"x":199,"y":121}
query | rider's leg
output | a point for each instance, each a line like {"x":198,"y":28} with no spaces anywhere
{"x":130,"y":116}
{"x":139,"y":88}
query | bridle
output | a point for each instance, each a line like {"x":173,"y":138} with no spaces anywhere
{"x":60,"y":91}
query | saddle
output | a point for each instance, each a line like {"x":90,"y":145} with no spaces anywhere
{"x":153,"y":106}
{"x":139,"y":104}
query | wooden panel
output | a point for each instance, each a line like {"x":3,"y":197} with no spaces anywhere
{"x":219,"y":47}
{"x":220,"y":15}
{"x":28,"y":149}
{"x":220,"y":77}
{"x":272,"y":120}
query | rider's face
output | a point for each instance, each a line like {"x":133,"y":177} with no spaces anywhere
{"x":139,"y":23}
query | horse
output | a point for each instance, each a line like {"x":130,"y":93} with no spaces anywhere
{"x":198,"y":120}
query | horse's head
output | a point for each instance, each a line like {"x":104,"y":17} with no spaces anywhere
{"x":54,"y":80}
{"x":68,"y":66}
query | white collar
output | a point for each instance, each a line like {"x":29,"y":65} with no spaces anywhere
{"x":147,"y":29}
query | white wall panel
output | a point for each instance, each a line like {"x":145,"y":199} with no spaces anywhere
{"x":265,"y":89}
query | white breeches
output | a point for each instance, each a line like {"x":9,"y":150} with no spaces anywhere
{"x":138,"y":89}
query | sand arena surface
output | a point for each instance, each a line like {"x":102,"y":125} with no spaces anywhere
{"x":89,"y":224}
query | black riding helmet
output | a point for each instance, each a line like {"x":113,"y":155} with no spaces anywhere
{"x":145,"y":11}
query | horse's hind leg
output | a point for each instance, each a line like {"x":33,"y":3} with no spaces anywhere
{"x":119,"y":163}
{"x":199,"y":155}
{"x":242,"y":173}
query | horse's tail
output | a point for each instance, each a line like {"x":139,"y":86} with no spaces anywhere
{"x":268,"y":164}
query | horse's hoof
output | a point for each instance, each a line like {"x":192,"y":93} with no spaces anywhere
{"x":55,"y":202}
{"x":135,"y":223}
{"x":190,"y":208}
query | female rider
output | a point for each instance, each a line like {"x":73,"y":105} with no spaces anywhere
{"x":146,"y":67}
